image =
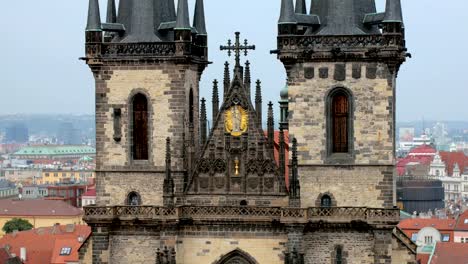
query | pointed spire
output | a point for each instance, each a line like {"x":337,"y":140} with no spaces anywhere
{"x":94,"y":16}
{"x":183,"y":20}
{"x":111,"y":12}
{"x":124,"y":14}
{"x":168,"y":183}
{"x":215,"y":100}
{"x":203,"y":124}
{"x":282,"y":155}
{"x":258,"y":103}
{"x":142,"y":22}
{"x":271,"y":127}
{"x":247,"y":80}
{"x":393,"y":12}
{"x":199,"y":18}
{"x":294,"y":189}
{"x":301,"y":7}
{"x":227,"y":78}
{"x":287,"y":15}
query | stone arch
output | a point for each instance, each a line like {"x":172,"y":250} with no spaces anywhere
{"x":236,"y":256}
{"x":320,"y":199}
{"x":139,"y":93}
{"x":133,"y":199}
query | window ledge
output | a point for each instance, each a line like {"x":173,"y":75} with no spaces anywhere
{"x":340,"y":159}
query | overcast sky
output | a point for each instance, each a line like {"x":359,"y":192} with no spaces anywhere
{"x":41,"y":42}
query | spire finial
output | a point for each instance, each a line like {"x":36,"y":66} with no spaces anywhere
{"x":271,"y":127}
{"x":237,"y":48}
{"x":94,"y":16}
{"x":183,"y":20}
{"x":258,"y":103}
{"x":393,"y":12}
{"x":287,"y":15}
{"x":301,"y":7}
{"x":227,"y":78}
{"x":203,"y":121}
{"x":199,"y":18}
{"x":215,"y":100}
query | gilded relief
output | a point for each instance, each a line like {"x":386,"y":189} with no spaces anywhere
{"x":236,"y":120}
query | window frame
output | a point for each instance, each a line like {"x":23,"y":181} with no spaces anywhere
{"x":130,"y":123}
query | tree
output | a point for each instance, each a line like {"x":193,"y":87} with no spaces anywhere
{"x":17,"y":224}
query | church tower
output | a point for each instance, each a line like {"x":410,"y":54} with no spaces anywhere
{"x":342,"y":59}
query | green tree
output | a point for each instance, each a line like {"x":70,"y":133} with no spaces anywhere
{"x":17,"y":224}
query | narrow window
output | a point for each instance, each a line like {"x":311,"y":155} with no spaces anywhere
{"x":191,"y":116}
{"x":340,"y":121}
{"x":133,"y":199}
{"x":326,"y":201}
{"x":140,"y":127}
{"x":339,"y":255}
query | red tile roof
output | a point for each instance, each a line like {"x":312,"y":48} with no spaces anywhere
{"x":462,"y":222}
{"x":423,"y":149}
{"x":450,"y":253}
{"x":452,"y":158}
{"x":90,"y":192}
{"x":286,"y":140}
{"x":15,"y":207}
{"x":41,"y":243}
{"x":419,"y":223}
{"x":423,"y":258}
{"x":4,"y":256}
{"x":423,"y":154}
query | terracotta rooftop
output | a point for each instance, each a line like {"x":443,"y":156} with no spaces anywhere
{"x":90,"y":192}
{"x":44,"y":245}
{"x":15,"y":207}
{"x":419,"y":223}
{"x":450,"y":253}
{"x":423,"y":150}
{"x":452,"y":158}
{"x":462,"y":222}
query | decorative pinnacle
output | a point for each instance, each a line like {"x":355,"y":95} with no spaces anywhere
{"x":393,"y":12}
{"x":199,"y":18}
{"x":168,"y":150}
{"x":301,"y":7}
{"x":183,"y":20}
{"x":94,"y":16}
{"x":258,"y":92}
{"x":294,"y":148}
{"x":237,"y":48}
{"x":203,"y":109}
{"x":215,"y":90}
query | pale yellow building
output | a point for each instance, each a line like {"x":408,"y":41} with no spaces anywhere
{"x":61,"y":176}
{"x":40,"y":213}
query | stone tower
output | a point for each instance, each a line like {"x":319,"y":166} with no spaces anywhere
{"x":342,"y":60}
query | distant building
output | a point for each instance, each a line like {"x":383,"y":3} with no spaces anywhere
{"x":17,"y":133}
{"x":65,"y":176}
{"x":33,"y":192}
{"x":7,"y":189}
{"x":69,"y":193}
{"x":48,"y":154}
{"x":419,"y":194}
{"x":461,"y":228}
{"x":57,"y":244}
{"x":449,"y":253}
{"x":20,"y":175}
{"x":40,"y":213}
{"x":69,"y":135}
{"x":89,"y":197}
{"x":417,"y":162}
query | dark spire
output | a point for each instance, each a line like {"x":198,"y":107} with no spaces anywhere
{"x":282,"y":155}
{"x":301,"y":7}
{"x":294,"y":189}
{"x":168,"y":181}
{"x":271,"y":127}
{"x":393,"y":12}
{"x":111,"y":12}
{"x":287,"y":15}
{"x":124,"y":14}
{"x":215,"y":100}
{"x":227,"y":78}
{"x":183,"y":20}
{"x":247,"y":80}
{"x":199,"y":18}
{"x":203,"y":124}
{"x":142,"y":22}
{"x":94,"y":16}
{"x":258,"y":103}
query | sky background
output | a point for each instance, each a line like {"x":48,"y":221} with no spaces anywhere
{"x":41,"y":42}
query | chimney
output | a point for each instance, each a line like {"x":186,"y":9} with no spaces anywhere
{"x":23,"y":254}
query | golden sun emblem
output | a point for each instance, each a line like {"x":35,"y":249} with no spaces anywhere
{"x":236,"y":120}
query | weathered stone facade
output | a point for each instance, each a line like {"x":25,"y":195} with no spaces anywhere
{"x":220,"y":196}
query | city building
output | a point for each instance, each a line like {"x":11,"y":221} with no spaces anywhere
{"x":89,"y":197}
{"x":17,"y":133}
{"x":55,"y":244}
{"x":461,"y":228}
{"x":50,"y":154}
{"x":23,"y":176}
{"x":33,"y":191}
{"x":417,"y":162}
{"x":8,"y":189}
{"x":453,"y":253}
{"x":40,"y":213}
{"x":222,"y":197}
{"x":49,"y":177}
{"x":419,"y":194}
{"x":69,"y":193}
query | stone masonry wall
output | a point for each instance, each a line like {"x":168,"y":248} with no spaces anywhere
{"x":373,"y":109}
{"x":370,"y":186}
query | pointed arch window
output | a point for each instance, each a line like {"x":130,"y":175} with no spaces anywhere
{"x":340,"y":127}
{"x":140,"y":127}
{"x":339,"y":255}
{"x":326,"y":201}
{"x":133,"y":199}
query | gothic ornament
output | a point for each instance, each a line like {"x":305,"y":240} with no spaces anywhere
{"x":236,"y":120}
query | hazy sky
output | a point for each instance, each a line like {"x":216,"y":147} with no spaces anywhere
{"x":41,"y":42}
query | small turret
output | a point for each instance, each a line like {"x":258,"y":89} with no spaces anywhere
{"x":93,"y":26}
{"x":287,"y":23}
{"x":301,"y":7}
{"x":200,"y":25}
{"x":271,"y":128}
{"x":247,"y":81}
{"x":215,"y":100}
{"x":110,"y":18}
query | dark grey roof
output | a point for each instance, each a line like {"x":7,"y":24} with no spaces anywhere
{"x":94,"y":16}
{"x":142,"y":27}
{"x":183,"y":19}
{"x":124,"y":15}
{"x":287,"y":15}
{"x":111,"y":12}
{"x":344,"y":17}
{"x":199,"y":18}
{"x":301,"y":7}
{"x":393,"y":11}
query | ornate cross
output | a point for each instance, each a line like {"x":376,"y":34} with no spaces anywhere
{"x":237,"y":48}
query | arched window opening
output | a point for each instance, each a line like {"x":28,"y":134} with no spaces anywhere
{"x":237,"y":257}
{"x":140,"y":127}
{"x":133,"y":199}
{"x":191,"y":114}
{"x":326,"y":201}
{"x":340,"y":123}
{"x":339,"y":255}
